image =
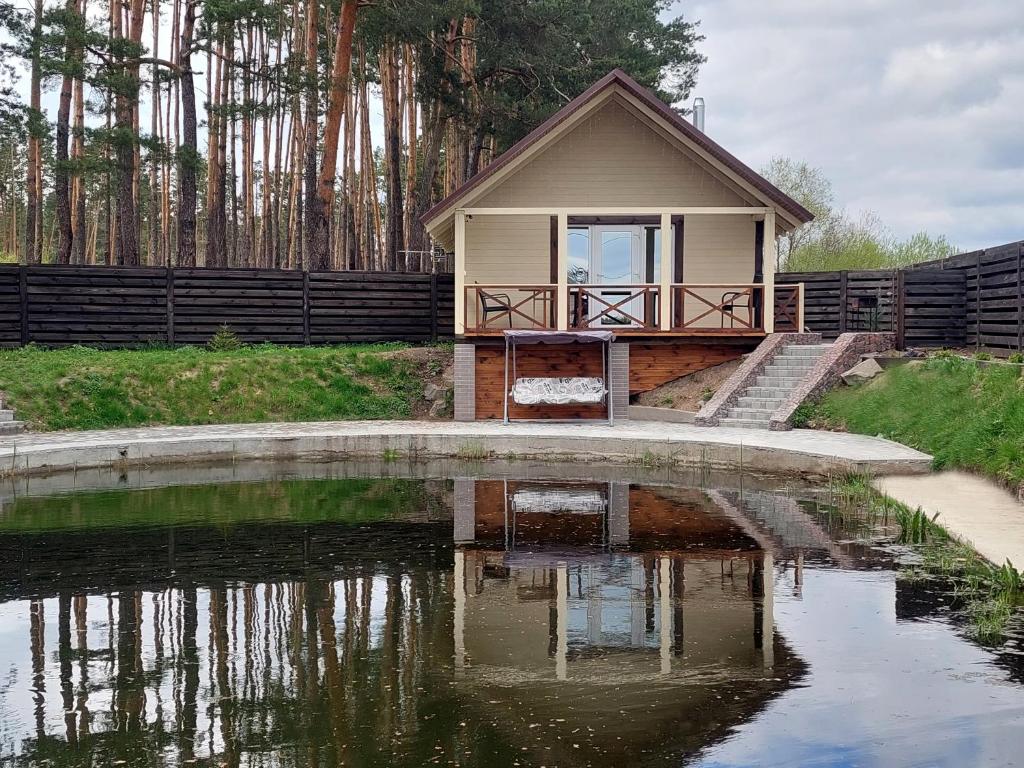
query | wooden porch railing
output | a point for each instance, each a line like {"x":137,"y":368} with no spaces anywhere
{"x":700,"y":309}
{"x":789,"y":308}
{"x":631,"y":307}
{"x":726,"y":308}
{"x":493,"y":308}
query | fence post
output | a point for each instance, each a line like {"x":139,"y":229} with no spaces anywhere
{"x":23,"y":298}
{"x":900,"y":310}
{"x":977,"y":300}
{"x":1020,"y":300}
{"x":433,"y":306}
{"x":305,"y":307}
{"x":842,"y":301}
{"x":170,"y":305}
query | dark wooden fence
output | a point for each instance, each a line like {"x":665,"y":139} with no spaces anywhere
{"x":836,"y":302}
{"x":131,"y":306}
{"x":972,"y":299}
{"x":994,"y":295}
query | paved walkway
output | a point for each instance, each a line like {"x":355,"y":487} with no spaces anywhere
{"x":798,"y":451}
{"x":975,"y":510}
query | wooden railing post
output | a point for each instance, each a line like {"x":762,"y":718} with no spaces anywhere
{"x":461,"y":309}
{"x":768,"y":291}
{"x":665,"y":288}
{"x":800,"y":308}
{"x":562,"y":285}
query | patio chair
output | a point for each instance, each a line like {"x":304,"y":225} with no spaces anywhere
{"x":579,"y":308}
{"x":495,"y":303}
{"x":735,"y":300}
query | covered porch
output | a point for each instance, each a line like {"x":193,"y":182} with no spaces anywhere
{"x":559,"y":268}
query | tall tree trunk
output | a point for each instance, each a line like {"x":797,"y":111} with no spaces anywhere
{"x":214,"y":231}
{"x":310,"y":141}
{"x":154,"y":114}
{"x":61,"y":176}
{"x":33,"y":214}
{"x":434,"y":125}
{"x":78,"y":211}
{"x":410,"y":157}
{"x":390,"y":83}
{"x":323,"y":201}
{"x":188,"y":153}
{"x":124,"y":127}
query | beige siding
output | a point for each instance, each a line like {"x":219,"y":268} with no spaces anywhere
{"x":716,"y":249}
{"x":612,"y":158}
{"x":507,"y":249}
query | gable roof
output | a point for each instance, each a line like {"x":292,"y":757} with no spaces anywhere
{"x":619,"y":78}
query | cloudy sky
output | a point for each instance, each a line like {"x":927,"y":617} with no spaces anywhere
{"x":913,"y":108}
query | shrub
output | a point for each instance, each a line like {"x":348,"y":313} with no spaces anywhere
{"x":224,"y":340}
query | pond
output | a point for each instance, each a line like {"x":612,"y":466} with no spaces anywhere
{"x":482,"y":615}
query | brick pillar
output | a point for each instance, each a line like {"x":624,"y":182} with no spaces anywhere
{"x":619,"y":377}
{"x":465,"y":382}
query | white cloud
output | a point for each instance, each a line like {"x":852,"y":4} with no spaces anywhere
{"x":911,"y":107}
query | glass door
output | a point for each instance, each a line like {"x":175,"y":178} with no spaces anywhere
{"x":616,"y":259}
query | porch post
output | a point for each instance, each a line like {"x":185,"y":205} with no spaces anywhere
{"x":460,"y":273}
{"x":769,"y":271}
{"x":562,"y":291}
{"x":665,"y":287}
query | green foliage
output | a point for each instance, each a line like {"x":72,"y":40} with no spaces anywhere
{"x":802,"y":415}
{"x":533,"y":57}
{"x":915,"y":526}
{"x":1016,"y":358}
{"x":965,"y":415}
{"x":83,"y":388}
{"x":836,"y":241}
{"x":224,"y":340}
{"x":982,"y":356}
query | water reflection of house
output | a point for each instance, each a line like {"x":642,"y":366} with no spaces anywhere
{"x":653,"y":617}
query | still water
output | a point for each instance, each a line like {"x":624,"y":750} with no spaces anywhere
{"x":477,"y":617}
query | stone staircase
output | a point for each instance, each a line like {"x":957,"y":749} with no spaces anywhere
{"x":8,"y":424}
{"x":757,"y":403}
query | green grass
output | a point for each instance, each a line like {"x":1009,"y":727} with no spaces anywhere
{"x":988,"y":596}
{"x":83,"y":388}
{"x":966,"y":416}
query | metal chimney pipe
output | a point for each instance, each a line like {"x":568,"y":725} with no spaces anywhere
{"x":698,"y":114}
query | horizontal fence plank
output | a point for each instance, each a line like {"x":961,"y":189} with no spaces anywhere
{"x":131,"y":306}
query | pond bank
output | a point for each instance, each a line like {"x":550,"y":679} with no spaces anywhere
{"x":802,"y":452}
{"x":973,"y":509}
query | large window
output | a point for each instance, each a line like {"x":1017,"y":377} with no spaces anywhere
{"x":579,"y":255}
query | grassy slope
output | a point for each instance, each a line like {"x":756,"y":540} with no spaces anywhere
{"x":81,"y":388}
{"x":964,"y":415}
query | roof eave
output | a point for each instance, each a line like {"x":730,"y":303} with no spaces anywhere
{"x":797,"y":212}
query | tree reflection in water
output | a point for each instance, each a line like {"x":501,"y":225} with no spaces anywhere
{"x":309,"y":633}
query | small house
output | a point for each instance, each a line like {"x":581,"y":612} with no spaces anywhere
{"x":615,"y":222}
